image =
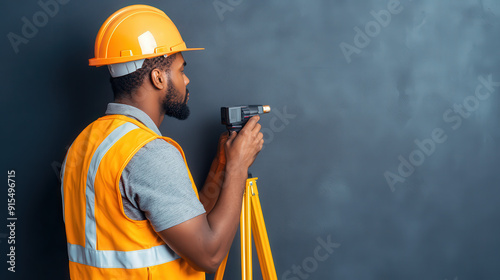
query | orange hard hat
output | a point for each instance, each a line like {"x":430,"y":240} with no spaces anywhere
{"x":133,"y":34}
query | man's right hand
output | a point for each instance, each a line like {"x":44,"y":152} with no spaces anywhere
{"x":242,"y":148}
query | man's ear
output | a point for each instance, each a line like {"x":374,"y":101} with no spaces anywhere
{"x":158,"y":79}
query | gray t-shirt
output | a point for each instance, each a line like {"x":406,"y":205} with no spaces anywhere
{"x":155,"y":184}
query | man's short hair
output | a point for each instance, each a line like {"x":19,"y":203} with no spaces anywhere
{"x":123,"y":86}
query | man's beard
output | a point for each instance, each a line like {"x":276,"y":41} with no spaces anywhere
{"x":178,"y":110}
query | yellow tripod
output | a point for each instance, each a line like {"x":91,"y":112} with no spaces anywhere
{"x":251,"y":216}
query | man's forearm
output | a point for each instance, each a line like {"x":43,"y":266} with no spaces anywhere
{"x":205,"y":240}
{"x":210,"y":192}
{"x":225,"y":215}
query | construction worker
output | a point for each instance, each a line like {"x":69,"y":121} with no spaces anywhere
{"x":130,"y":206}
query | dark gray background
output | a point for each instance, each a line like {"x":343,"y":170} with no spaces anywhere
{"x":322,"y":169}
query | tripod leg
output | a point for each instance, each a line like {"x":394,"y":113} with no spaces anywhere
{"x":245,"y":240}
{"x":246,"y":236}
{"x":260,"y":234}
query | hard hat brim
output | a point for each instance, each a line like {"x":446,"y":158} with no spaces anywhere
{"x":113,"y":60}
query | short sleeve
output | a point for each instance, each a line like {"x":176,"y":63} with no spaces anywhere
{"x":156,"y":182}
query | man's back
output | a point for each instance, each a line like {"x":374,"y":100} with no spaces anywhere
{"x":102,"y":241}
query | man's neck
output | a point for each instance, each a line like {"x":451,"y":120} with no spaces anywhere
{"x":154,"y":113}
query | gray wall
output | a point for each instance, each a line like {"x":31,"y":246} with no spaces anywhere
{"x":350,"y":110}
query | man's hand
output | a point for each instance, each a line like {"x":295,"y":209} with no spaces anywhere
{"x":242,"y":148}
{"x":210,"y":192}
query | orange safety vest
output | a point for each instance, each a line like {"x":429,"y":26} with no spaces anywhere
{"x":103,"y":243}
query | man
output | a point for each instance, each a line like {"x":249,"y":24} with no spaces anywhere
{"x":130,"y":205}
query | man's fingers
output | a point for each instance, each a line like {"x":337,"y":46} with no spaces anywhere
{"x":224,"y":136}
{"x":256,"y":128}
{"x":261,"y":140}
{"x":260,"y":136}
{"x":251,"y":123}
{"x":231,"y":138}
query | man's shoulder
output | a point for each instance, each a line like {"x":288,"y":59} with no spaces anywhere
{"x":160,"y":143}
{"x":158,"y":151}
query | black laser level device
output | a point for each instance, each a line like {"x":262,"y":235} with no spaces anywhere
{"x":234,"y":118}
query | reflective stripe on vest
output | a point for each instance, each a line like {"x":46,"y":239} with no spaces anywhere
{"x":121,"y":259}
{"x":106,"y":144}
{"x":89,"y":255}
